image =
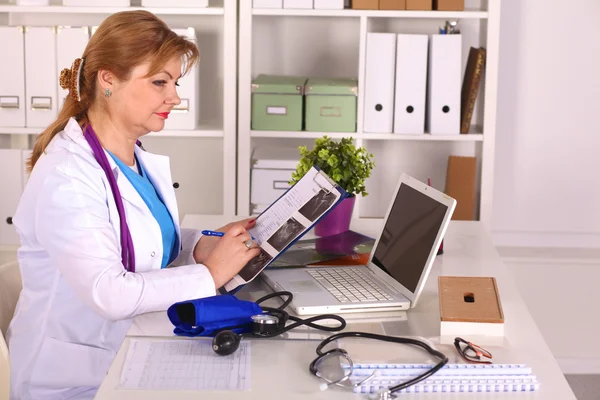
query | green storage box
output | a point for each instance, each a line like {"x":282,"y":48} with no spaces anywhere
{"x":331,"y":105}
{"x":277,"y":102}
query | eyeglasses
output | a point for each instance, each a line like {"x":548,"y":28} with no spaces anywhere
{"x":472,"y":352}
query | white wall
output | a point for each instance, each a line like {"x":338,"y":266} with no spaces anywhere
{"x":547,"y":183}
{"x":562,"y":304}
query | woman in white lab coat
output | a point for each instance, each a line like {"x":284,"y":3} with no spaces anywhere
{"x":98,"y":219}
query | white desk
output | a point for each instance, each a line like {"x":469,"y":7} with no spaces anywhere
{"x":280,"y":366}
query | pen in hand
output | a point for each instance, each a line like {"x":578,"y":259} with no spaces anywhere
{"x":215,"y":233}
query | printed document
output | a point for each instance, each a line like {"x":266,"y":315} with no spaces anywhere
{"x":288,"y":219}
{"x":184,"y":364}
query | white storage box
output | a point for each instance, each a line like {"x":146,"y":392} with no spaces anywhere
{"x":257,"y":209}
{"x":174,"y":3}
{"x":12,"y":89}
{"x":185,"y":115}
{"x":70,"y":44}
{"x":267,"y":3}
{"x":329,"y":4}
{"x":96,"y":3}
{"x":271,"y":172}
{"x":11,"y":160}
{"x":40,"y":76}
{"x":32,"y":2}
{"x":298,"y":4}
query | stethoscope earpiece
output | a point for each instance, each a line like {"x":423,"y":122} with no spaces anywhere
{"x":226,"y":342}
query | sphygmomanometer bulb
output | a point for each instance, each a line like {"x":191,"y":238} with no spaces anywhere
{"x":226,"y":343}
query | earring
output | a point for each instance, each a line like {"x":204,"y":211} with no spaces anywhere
{"x":107,"y":92}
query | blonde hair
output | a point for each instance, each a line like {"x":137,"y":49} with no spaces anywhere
{"x":123,"y":41}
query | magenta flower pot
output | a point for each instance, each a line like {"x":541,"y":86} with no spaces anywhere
{"x":337,"y":220}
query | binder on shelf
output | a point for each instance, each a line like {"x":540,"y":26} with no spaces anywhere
{"x":12,"y":68}
{"x":185,"y":115}
{"x":444,"y":84}
{"x":298,"y":4}
{"x":411,"y":84}
{"x":40,"y":76}
{"x":470,"y":89}
{"x":379,"y":82}
{"x":70,"y":44}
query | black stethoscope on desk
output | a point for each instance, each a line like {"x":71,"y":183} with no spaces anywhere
{"x":273,"y":323}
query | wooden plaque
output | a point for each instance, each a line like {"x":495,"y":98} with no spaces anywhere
{"x":469,"y":299}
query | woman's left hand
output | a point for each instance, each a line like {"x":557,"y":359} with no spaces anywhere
{"x":207,"y":243}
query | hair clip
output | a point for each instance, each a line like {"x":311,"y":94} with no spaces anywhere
{"x":69,"y":78}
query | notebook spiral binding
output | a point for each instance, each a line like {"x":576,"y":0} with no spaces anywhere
{"x":452,"y":378}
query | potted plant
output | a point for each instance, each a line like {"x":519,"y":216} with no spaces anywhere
{"x":348,"y":166}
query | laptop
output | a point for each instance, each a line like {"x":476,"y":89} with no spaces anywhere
{"x":393,"y":279}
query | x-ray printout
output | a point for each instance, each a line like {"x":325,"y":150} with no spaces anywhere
{"x":288,"y":219}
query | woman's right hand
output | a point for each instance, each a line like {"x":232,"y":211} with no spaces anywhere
{"x":230,"y":255}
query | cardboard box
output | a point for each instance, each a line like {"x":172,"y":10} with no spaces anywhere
{"x":392,"y":4}
{"x":449,"y":5}
{"x":470,"y":306}
{"x":419,"y":5}
{"x":460,"y":185}
{"x":365,"y":4}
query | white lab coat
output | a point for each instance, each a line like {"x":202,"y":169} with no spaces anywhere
{"x":78,"y":301}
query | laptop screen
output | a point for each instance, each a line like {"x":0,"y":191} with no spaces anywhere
{"x":408,"y":236}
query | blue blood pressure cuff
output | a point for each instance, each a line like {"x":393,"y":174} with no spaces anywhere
{"x":206,"y":316}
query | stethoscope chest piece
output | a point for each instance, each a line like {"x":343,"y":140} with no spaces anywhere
{"x":264,"y":324}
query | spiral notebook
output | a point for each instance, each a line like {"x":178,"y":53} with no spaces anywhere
{"x":451,"y":378}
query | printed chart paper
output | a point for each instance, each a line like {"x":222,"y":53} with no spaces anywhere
{"x":184,"y":365}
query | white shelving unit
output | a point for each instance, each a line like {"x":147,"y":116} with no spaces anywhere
{"x":332,"y":43}
{"x":201,"y":158}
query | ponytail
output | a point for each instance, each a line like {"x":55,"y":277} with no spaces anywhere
{"x":73,"y":107}
{"x":70,"y":109}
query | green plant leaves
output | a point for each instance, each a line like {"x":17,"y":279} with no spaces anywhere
{"x":342,"y":161}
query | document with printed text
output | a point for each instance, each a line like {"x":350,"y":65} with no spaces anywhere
{"x":184,"y":364}
{"x":288,"y":219}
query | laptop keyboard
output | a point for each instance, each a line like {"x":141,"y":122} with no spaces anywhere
{"x":349,"y":285}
